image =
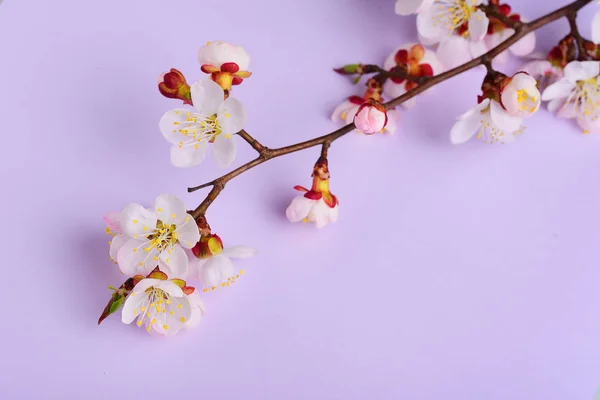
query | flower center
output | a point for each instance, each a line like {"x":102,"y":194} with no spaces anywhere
{"x":526,"y":102}
{"x":587,"y":97}
{"x":164,"y":237}
{"x":198,"y":127}
{"x":453,"y":13}
{"x":489,"y":133}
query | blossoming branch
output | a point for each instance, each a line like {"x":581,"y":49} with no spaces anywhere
{"x":164,"y":248}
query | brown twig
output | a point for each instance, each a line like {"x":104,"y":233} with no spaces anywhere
{"x":255,"y":144}
{"x":492,"y":11}
{"x":266,"y":154}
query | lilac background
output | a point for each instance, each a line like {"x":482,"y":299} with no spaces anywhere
{"x":464,"y":272}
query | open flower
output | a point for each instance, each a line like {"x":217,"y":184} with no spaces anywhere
{"x":226,"y":63}
{"x":521,"y":96}
{"x":213,"y":119}
{"x":412,"y":59}
{"x":577,"y":94}
{"x":212,"y":263}
{"x":408,"y":7}
{"x":346,"y":111}
{"x":159,"y":305}
{"x":490,"y":121}
{"x":371,"y":117}
{"x":155,"y":237}
{"x":317,"y":204}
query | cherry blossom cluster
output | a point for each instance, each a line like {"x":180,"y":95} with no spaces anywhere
{"x":171,"y":256}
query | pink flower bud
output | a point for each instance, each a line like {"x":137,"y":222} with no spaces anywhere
{"x":371,"y":117}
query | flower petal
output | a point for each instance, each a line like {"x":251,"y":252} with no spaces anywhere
{"x":558,"y":90}
{"x":187,"y":232}
{"x":596,"y":28}
{"x":198,"y":310}
{"x":137,"y":221}
{"x":392,"y":124}
{"x":299,"y":208}
{"x":239,"y":252}
{"x":223,"y":150}
{"x":170,"y":125}
{"x":453,"y":51}
{"x":115,"y":245}
{"x":555,"y":104}
{"x":188,"y":154}
{"x":408,"y":7}
{"x":478,"y":25}
{"x":216,"y":270}
{"x":581,"y":70}
{"x":207,"y":97}
{"x":113,"y":220}
{"x":467,"y":124}
{"x":232,"y":116}
{"x":428,"y":26}
{"x":170,"y":209}
{"x":502,"y":119}
{"x":170,"y":287}
{"x":524,"y":46}
{"x":133,"y":258}
{"x":131,"y":307}
{"x":174,"y":262}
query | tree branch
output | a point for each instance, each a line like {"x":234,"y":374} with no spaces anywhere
{"x":255,"y":144}
{"x":266,"y":154}
{"x":572,"y":18}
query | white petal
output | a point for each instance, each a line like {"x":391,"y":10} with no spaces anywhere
{"x":555,"y":104}
{"x":428,"y":27}
{"x":207,"y":97}
{"x":132,"y":305}
{"x":187,"y":232}
{"x":408,"y":7}
{"x":478,"y":25}
{"x":596,"y":28}
{"x":320,"y":214}
{"x":589,"y":125}
{"x":502,"y":119}
{"x":137,"y":221}
{"x":299,"y":208}
{"x":188,"y":154}
{"x":196,"y":265}
{"x":232,"y":116}
{"x":145,"y":284}
{"x":453,"y":51}
{"x":341,"y":111}
{"x":170,"y":125}
{"x":558,"y":90}
{"x":239,"y":252}
{"x":198,"y":310}
{"x":218,"y":52}
{"x":216,"y":270}
{"x":174,"y":262}
{"x":581,"y":70}
{"x":468,"y":123}
{"x":170,"y":287}
{"x":392,"y":124}
{"x":170,"y":209}
{"x":524,"y":46}
{"x":223,"y":150}
{"x":133,"y":259}
{"x":478,"y":48}
{"x":115,"y":245}
{"x":392,"y":90}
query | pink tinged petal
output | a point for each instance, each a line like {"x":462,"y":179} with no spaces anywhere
{"x":299,"y":209}
{"x":131,"y":308}
{"x":115,"y":245}
{"x":428,"y":27}
{"x":369,"y":120}
{"x":198,"y":310}
{"x":558,"y":90}
{"x":137,"y":221}
{"x":170,"y":125}
{"x":170,"y":209}
{"x":502,"y":119}
{"x":224,"y":150}
{"x":453,"y":51}
{"x":468,"y":123}
{"x":188,"y":154}
{"x":408,"y":7}
{"x":596,"y":28}
{"x":581,"y":70}
{"x":232,"y":116}
{"x":207,"y":97}
{"x":537,"y":68}
{"x":523,"y":80}
{"x":478,"y":25}
{"x":239,"y":252}
{"x":134,"y":259}
{"x":187,"y":232}
{"x":174,"y":262}
{"x":112,"y":220}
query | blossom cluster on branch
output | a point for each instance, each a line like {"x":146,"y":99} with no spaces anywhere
{"x":170,"y":254}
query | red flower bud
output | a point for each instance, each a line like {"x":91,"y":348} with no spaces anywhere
{"x":173,"y":85}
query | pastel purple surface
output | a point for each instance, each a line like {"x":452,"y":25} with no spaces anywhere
{"x":455,"y":272}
